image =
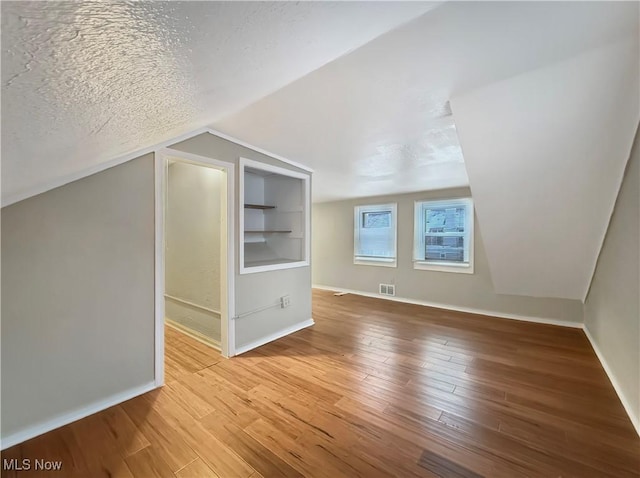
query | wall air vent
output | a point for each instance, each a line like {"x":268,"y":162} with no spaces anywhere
{"x":387,"y":289}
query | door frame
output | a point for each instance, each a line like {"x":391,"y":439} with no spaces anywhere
{"x":227,"y":287}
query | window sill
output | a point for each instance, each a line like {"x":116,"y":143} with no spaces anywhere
{"x":375,"y":262}
{"x":443,"y":267}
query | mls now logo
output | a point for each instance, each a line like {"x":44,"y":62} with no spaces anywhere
{"x":27,"y":464}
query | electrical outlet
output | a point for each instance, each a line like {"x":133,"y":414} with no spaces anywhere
{"x":285,"y":301}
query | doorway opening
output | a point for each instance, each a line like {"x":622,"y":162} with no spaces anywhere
{"x":194,"y":251}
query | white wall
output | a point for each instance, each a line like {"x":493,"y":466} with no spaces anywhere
{"x":333,"y":265}
{"x":545,"y":154}
{"x":612,"y":311}
{"x":192,"y":247}
{"x":253,"y":291}
{"x":77,"y":298}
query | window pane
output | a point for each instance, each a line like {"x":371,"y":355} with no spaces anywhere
{"x":376,"y":242}
{"x":444,"y":248}
{"x":445,"y":219}
{"x":443,"y":235}
{"x":376,"y":219}
{"x":376,"y":233}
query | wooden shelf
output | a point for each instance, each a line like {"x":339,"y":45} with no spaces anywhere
{"x":268,"y":231}
{"x":258,"y":206}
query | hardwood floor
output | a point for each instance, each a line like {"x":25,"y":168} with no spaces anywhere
{"x":375,"y":388}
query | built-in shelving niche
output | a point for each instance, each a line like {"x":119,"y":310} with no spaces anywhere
{"x":274,"y":217}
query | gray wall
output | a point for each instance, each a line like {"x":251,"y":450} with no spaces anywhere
{"x":77,"y":295}
{"x":333,"y":264}
{"x":263,"y":288}
{"x":192,"y":247}
{"x":612,"y":312}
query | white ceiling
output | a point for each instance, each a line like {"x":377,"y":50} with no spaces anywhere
{"x":545,"y":104}
{"x":544,"y":98}
{"x":84,"y":82}
{"x":546,"y":152}
{"x":370,"y":123}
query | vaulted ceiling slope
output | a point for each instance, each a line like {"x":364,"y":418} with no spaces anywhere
{"x":84,"y":82}
{"x":540,"y":98}
{"x":375,"y":121}
{"x":545,"y":152}
{"x":544,"y":101}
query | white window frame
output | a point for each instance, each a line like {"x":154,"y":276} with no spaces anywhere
{"x":358,"y":211}
{"x":419,"y":261}
{"x":305,"y":209}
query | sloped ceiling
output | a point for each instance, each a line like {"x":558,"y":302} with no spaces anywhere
{"x":544,"y":101}
{"x":545,"y":152}
{"x":84,"y":82}
{"x":376,"y":121}
{"x":532,"y":104}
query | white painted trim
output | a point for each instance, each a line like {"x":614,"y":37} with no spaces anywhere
{"x":227,"y":249}
{"x":272,"y":267}
{"x":66,"y":418}
{"x":377,"y":263}
{"x":160,"y":175}
{"x":422,"y":264}
{"x":192,"y":304}
{"x":441,"y":267}
{"x":258,"y":150}
{"x":250,"y":163}
{"x":306,"y":211}
{"x":96,"y":168}
{"x":203,"y":339}
{"x":362,"y":260}
{"x":469,"y":310}
{"x":633,"y":414}
{"x":275,"y":336}
{"x":307,"y":219}
{"x":241,"y":201}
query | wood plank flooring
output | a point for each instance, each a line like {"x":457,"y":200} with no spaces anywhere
{"x":374,"y":389}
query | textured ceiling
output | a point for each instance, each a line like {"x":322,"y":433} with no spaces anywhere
{"x":375,"y":121}
{"x":544,"y":98}
{"x":84,"y":82}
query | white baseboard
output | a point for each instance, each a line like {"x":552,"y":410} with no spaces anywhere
{"x":633,"y":414}
{"x":469,"y":310}
{"x":66,"y":418}
{"x":193,"y":334}
{"x":277,"y":335}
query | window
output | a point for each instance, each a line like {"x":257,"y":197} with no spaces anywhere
{"x":375,"y":235}
{"x":444,"y":235}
